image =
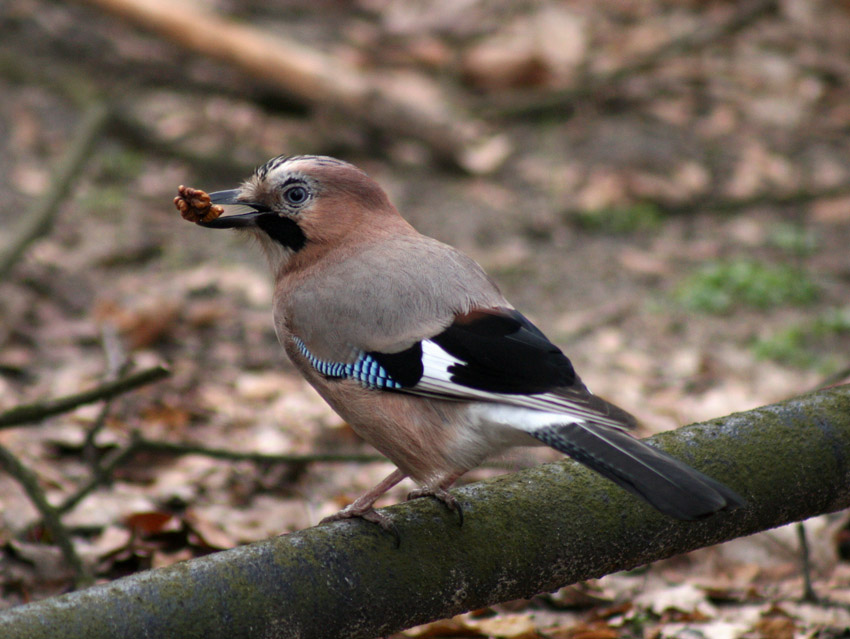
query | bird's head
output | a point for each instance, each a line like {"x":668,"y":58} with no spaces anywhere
{"x":305,"y":205}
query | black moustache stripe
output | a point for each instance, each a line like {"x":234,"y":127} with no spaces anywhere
{"x":283,"y":230}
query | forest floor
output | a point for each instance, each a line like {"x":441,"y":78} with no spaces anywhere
{"x":681,"y":232}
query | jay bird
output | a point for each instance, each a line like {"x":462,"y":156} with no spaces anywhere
{"x":412,"y":343}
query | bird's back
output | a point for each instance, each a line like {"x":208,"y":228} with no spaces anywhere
{"x":382,"y":295}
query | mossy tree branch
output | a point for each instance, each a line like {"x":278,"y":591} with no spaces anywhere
{"x":526,"y":533}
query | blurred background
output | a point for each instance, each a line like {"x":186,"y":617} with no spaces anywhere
{"x":662,"y":186}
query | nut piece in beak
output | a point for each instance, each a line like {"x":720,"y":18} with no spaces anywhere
{"x":195,"y":205}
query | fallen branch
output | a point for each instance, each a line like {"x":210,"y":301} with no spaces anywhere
{"x":317,"y":79}
{"x":38,"y":220}
{"x":34,"y":413}
{"x":530,"y":532}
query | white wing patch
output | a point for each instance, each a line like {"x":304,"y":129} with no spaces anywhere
{"x":521,"y":417}
{"x":436,"y":377}
{"x":436,"y":382}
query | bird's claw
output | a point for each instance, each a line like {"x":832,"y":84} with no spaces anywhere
{"x":442,"y":495}
{"x":369,"y":514}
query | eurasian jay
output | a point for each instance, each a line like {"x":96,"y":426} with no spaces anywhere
{"x":413,"y":345}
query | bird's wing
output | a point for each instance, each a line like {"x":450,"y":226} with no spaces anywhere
{"x":498,"y":355}
{"x":500,"y":359}
{"x":490,"y":355}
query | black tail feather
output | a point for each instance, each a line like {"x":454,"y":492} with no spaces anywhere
{"x":667,"y":484}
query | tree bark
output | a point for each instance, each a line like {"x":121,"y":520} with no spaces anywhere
{"x":525,"y":533}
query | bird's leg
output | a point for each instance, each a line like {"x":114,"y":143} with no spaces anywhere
{"x":439,"y":490}
{"x":362,"y":507}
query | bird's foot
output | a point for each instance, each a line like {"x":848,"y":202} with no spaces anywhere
{"x":369,"y":514}
{"x":440,"y":494}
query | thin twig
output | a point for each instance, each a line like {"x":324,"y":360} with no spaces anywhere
{"x":525,"y":105}
{"x":181,"y":448}
{"x":50,"y":515}
{"x":34,"y":413}
{"x":834,"y":379}
{"x":78,"y":88}
{"x":139,"y":444}
{"x":37,"y":221}
{"x":806,"y":567}
{"x":102,"y":475}
{"x":725,"y":205}
{"x":117,"y":365}
{"x":139,"y":134}
{"x":731,"y":205}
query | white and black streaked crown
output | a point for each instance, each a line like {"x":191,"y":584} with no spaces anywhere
{"x":263,"y":170}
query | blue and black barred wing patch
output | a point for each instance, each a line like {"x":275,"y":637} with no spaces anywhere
{"x":382,"y":371}
{"x":491,"y":355}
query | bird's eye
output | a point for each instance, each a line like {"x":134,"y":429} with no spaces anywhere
{"x":295,"y":195}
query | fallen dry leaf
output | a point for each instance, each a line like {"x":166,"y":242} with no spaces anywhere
{"x":507,"y":626}
{"x":148,"y":523}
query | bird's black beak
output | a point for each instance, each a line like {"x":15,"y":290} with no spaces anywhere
{"x":246,"y":218}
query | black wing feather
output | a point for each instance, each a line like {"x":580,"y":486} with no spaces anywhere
{"x":503,"y":352}
{"x":404,"y":367}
